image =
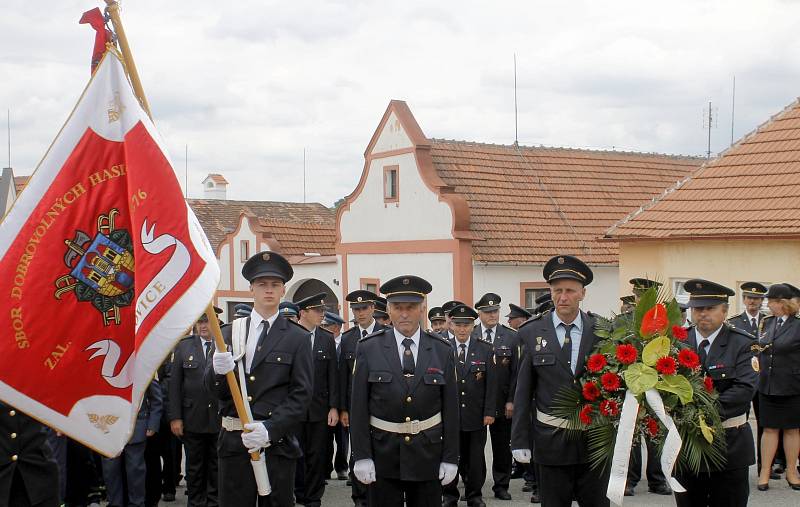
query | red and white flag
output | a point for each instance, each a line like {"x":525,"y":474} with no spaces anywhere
{"x":104,"y":268}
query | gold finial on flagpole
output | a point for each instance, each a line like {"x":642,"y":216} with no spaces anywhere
{"x":112,"y":6}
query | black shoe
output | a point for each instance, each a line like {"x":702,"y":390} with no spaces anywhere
{"x":535,"y":498}
{"x":779,"y":468}
{"x":478,"y":502}
{"x":628,"y":490}
{"x":528,"y":487}
{"x":502,"y":494}
{"x":517,"y":471}
{"x":169,"y":497}
{"x":463,"y":498}
{"x":660,"y":489}
{"x":773,"y":476}
{"x":763,"y":487}
{"x":793,"y":485}
{"x":341,"y":476}
{"x":348,"y":483}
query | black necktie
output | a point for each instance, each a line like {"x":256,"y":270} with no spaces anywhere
{"x":566,"y":348}
{"x":408,"y":358}
{"x":489,"y":335}
{"x":753,"y":324}
{"x":264,"y":331}
{"x":702,"y":351}
{"x":778,"y":325}
{"x":462,"y":353}
{"x":363,"y":333}
{"x":208,"y":349}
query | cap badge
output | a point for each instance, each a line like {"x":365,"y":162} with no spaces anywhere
{"x":561,"y":260}
{"x":699,"y":285}
{"x":491,"y":302}
{"x":265,"y":257}
{"x":359,"y":299}
{"x":406,"y":281}
{"x":462,"y":310}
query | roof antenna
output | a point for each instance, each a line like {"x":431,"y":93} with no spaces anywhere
{"x":733,"y":106}
{"x":516,"y":127}
{"x":709,"y":122}
{"x":304,"y":175}
{"x":8,"y":125}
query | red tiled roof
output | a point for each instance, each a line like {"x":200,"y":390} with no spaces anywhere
{"x":528,"y":204}
{"x":20,"y":182}
{"x":752,"y":189}
{"x":297,"y":228}
{"x":217,"y":178}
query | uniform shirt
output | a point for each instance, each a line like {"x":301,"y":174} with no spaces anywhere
{"x":368,"y":329}
{"x":710,"y":338}
{"x":750,"y":319}
{"x":575,"y":335}
{"x":253,"y":333}
{"x":398,"y":336}
{"x":458,"y":347}
{"x":483,"y":332}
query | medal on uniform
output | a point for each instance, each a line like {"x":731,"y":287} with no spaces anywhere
{"x":538,"y":348}
{"x":754,"y":363}
{"x":191,"y":357}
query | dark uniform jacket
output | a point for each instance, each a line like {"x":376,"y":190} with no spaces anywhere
{"x":325,"y":395}
{"x":149,"y":415}
{"x":477,"y":384}
{"x":278,"y":386}
{"x":542,"y":375}
{"x":381,"y":390}
{"x":506,"y":352}
{"x":729,"y":364}
{"x":188,"y":397}
{"x":780,"y":360}
{"x":347,"y":359}
{"x":23,"y":448}
{"x":742,"y":321}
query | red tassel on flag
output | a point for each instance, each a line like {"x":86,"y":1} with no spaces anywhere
{"x":95,"y":18}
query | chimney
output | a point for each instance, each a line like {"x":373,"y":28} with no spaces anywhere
{"x":215,"y":186}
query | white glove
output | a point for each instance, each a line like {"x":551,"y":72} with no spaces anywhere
{"x":223,"y":362}
{"x":364,"y":470}
{"x":522,"y":455}
{"x":447,"y":473}
{"x":256,"y":438}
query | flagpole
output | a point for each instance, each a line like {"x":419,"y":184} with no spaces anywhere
{"x":236,"y":393}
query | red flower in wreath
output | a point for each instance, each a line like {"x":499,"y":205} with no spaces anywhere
{"x":590,"y":391}
{"x":652,"y":426}
{"x":627,"y":353}
{"x":708,"y":384}
{"x":680,"y":333}
{"x":655,"y":321}
{"x":609,"y":408}
{"x":666,"y":366}
{"x":586,"y":415}
{"x":610,"y":381}
{"x":689,"y":359}
{"x":596,"y":363}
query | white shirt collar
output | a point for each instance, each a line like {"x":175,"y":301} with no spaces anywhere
{"x":399,"y":337}
{"x":458,"y":343}
{"x":757,"y":316}
{"x":369,"y":329}
{"x":710,"y":337}
{"x":256,"y":318}
{"x":578,"y":322}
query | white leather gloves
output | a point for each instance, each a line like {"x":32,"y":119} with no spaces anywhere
{"x":521,"y":455}
{"x":222,"y":362}
{"x":447,"y":473}
{"x":256,"y":437}
{"x":364,"y":470}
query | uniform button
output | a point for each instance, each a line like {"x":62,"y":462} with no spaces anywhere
{"x":209,"y":405}
{"x":463,"y":405}
{"x":435,"y":380}
{"x":12,"y":413}
{"x":14,"y":457}
{"x":252,"y":378}
{"x":408,"y":400}
{"x":407,"y":439}
{"x":13,"y":435}
{"x":463,"y":381}
{"x":408,"y":419}
{"x":269,"y":414}
{"x":249,"y":398}
{"x":279,"y":359}
{"x":463,"y":393}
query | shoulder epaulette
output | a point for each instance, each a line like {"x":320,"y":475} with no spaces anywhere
{"x":323,"y":332}
{"x":373,"y":334}
{"x":187,"y":337}
{"x":290,"y":321}
{"x":737,"y":330}
{"x":509,"y":328}
{"x":534,"y":318}
{"x":484,"y":340}
{"x":439,"y":338}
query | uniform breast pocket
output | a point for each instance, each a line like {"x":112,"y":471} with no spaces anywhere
{"x":721,"y":376}
{"x":190,"y":364}
{"x":544,"y":359}
{"x":433,"y":379}
{"x":277,"y":358}
{"x":321,"y":355}
{"x":478,"y":371}
{"x":350,"y":357}
{"x":503,"y":355}
{"x":379,"y":383}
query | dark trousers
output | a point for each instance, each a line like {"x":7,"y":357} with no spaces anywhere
{"x":728,"y":488}
{"x":237,"y":484}
{"x":501,"y":453}
{"x":201,"y":469}
{"x":18,"y":496}
{"x":126,"y":473}
{"x":471,"y":466}
{"x":82,"y":474}
{"x":396,"y":493}
{"x":655,"y":476}
{"x":310,"y":475}
{"x":338,"y":461}
{"x":559,"y":484}
{"x":358,"y":490}
{"x":152,"y":460}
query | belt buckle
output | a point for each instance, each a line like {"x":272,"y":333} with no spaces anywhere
{"x":415,"y":426}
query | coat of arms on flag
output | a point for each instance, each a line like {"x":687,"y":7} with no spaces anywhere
{"x":106,"y":268}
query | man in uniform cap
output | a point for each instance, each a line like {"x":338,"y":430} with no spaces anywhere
{"x":404,"y":414}
{"x":753,"y":294}
{"x":241,"y":310}
{"x":193,"y":413}
{"x":640,"y":285}
{"x":381,"y":315}
{"x":628,"y":303}
{"x":517,"y":315}
{"x":725,"y":357}
{"x":437,"y":319}
{"x":333,"y":324}
{"x":556,"y":346}
{"x":506,"y":352}
{"x":362,"y":304}
{"x":475,"y":377}
{"x":289,"y":310}
{"x":447,"y":332}
{"x":543,"y":303}
{"x":278,"y":374}
{"x":323,"y":411}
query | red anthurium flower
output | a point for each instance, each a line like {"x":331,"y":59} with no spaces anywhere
{"x":596,"y":362}
{"x":626,"y":353}
{"x":708,"y":384}
{"x":590,"y":391}
{"x":689,"y":358}
{"x":610,"y":381}
{"x":609,"y":408}
{"x":666,"y":366}
{"x":655,"y":321}
{"x":651,"y":425}
{"x":680,"y":333}
{"x":585,"y":414}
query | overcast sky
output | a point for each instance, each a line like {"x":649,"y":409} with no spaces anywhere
{"x":249,"y":84}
